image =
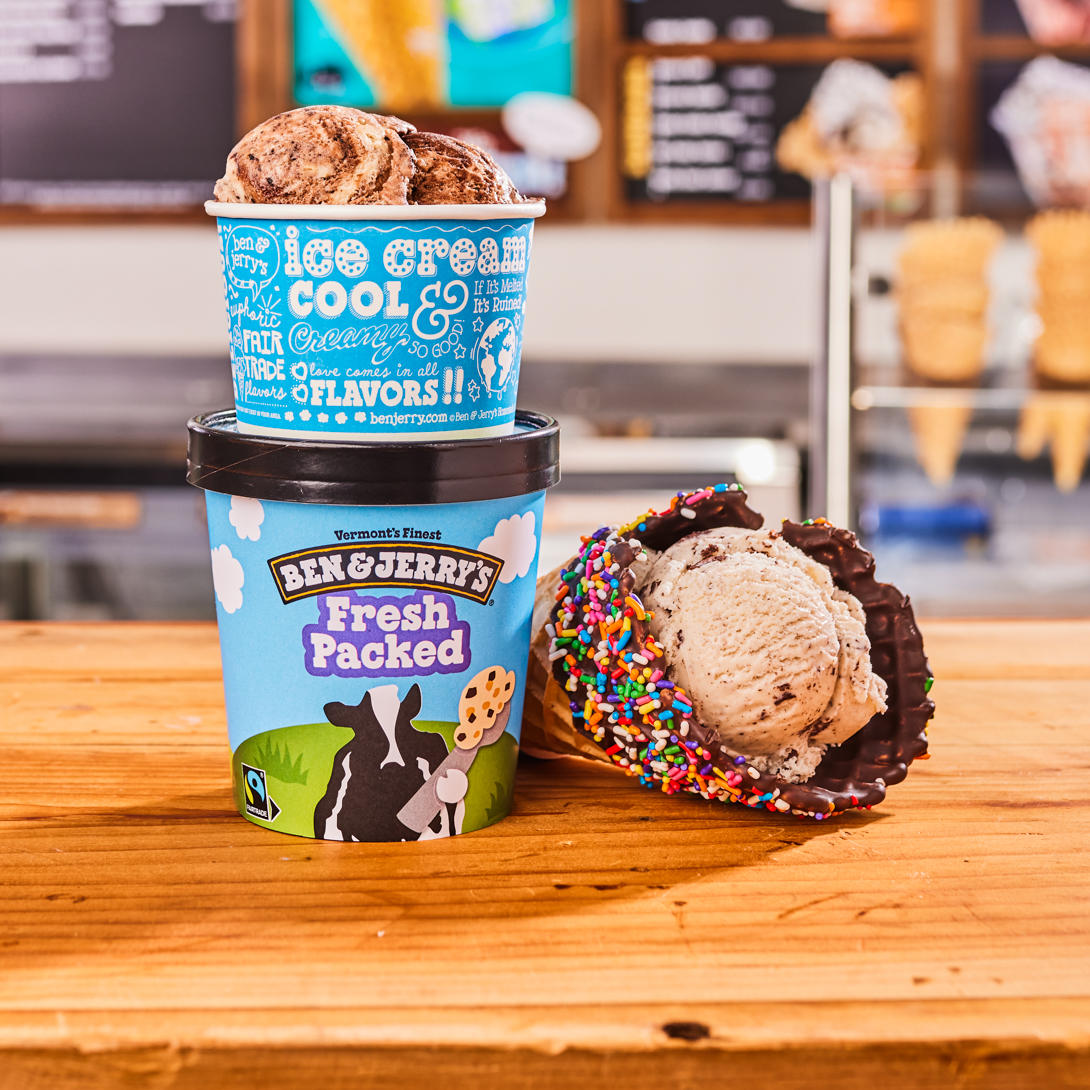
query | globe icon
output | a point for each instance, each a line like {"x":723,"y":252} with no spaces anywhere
{"x":495,"y":354}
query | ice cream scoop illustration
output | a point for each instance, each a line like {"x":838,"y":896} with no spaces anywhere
{"x":483,"y":713}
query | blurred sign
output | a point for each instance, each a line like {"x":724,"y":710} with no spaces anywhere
{"x":418,"y":55}
{"x":115,"y":103}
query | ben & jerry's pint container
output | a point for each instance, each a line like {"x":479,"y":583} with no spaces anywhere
{"x":374,"y":606}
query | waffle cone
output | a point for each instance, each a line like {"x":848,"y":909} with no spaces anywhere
{"x":547,"y":729}
{"x":939,"y":431}
{"x":1061,"y":421}
{"x":1063,"y":358}
{"x":949,"y":249}
{"x":398,"y":46}
{"x":944,"y":349}
{"x":1060,"y":235}
{"x":965,"y":298}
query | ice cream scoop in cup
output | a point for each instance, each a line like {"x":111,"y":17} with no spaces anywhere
{"x":375,"y":280}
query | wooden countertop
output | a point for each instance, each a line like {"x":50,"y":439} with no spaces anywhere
{"x":149,"y":937}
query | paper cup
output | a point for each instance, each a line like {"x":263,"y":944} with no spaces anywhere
{"x":375,"y":322}
{"x":374,"y":605}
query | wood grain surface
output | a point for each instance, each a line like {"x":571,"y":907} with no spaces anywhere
{"x":149,"y":937}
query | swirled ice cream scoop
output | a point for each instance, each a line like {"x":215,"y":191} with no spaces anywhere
{"x":450,"y":171}
{"x":338,"y":155}
{"x":321,"y":155}
{"x":770,"y":651}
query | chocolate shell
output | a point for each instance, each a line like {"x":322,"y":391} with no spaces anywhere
{"x":621,"y":696}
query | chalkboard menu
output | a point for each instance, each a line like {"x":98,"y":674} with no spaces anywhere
{"x":694,"y":21}
{"x":115,"y":103}
{"x":697,"y":129}
{"x":709,"y":130}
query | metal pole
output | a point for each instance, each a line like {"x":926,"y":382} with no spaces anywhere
{"x":832,"y":453}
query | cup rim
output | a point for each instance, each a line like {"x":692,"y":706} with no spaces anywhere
{"x":232,"y":210}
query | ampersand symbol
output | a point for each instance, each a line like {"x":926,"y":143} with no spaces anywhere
{"x":434,"y":318}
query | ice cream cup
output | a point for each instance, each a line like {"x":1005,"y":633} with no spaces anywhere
{"x":374,"y":605}
{"x":375,"y":322}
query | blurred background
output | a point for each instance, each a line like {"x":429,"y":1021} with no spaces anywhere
{"x":748,"y":271}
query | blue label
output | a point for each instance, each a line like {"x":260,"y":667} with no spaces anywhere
{"x":374,"y":661}
{"x":364,"y":328}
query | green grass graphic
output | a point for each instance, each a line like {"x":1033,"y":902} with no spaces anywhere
{"x":296,"y":783}
{"x":280,"y":764}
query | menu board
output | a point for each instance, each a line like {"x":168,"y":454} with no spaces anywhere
{"x":428,"y":54}
{"x":115,"y":103}
{"x":695,"y":129}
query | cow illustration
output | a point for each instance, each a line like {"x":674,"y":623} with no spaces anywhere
{"x":380,"y":769}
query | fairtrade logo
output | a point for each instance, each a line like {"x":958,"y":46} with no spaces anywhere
{"x":258,"y":803}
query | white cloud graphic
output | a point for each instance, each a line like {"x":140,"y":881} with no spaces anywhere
{"x":246,"y":516}
{"x":227,"y":578}
{"x":515,"y":543}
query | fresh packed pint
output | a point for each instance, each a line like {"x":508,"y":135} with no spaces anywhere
{"x":374,"y":605}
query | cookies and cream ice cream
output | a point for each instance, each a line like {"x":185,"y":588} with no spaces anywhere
{"x":768,"y":648}
{"x":338,"y":155}
{"x":705,"y":655}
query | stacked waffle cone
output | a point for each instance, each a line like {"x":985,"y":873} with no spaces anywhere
{"x":1058,"y":413}
{"x":398,"y":46}
{"x":943,"y":297}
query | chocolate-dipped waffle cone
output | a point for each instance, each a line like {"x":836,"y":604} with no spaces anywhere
{"x":567,"y":704}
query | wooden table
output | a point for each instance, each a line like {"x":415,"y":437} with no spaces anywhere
{"x":601,"y":935}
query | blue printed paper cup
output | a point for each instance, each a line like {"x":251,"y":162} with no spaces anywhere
{"x":375,"y":322}
{"x":374,"y":605}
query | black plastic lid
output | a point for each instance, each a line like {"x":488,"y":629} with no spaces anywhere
{"x":221,"y":459}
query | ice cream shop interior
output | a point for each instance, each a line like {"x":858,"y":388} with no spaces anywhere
{"x":836,"y":252}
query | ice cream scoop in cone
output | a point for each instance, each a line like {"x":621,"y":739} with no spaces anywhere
{"x":604,"y":684}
